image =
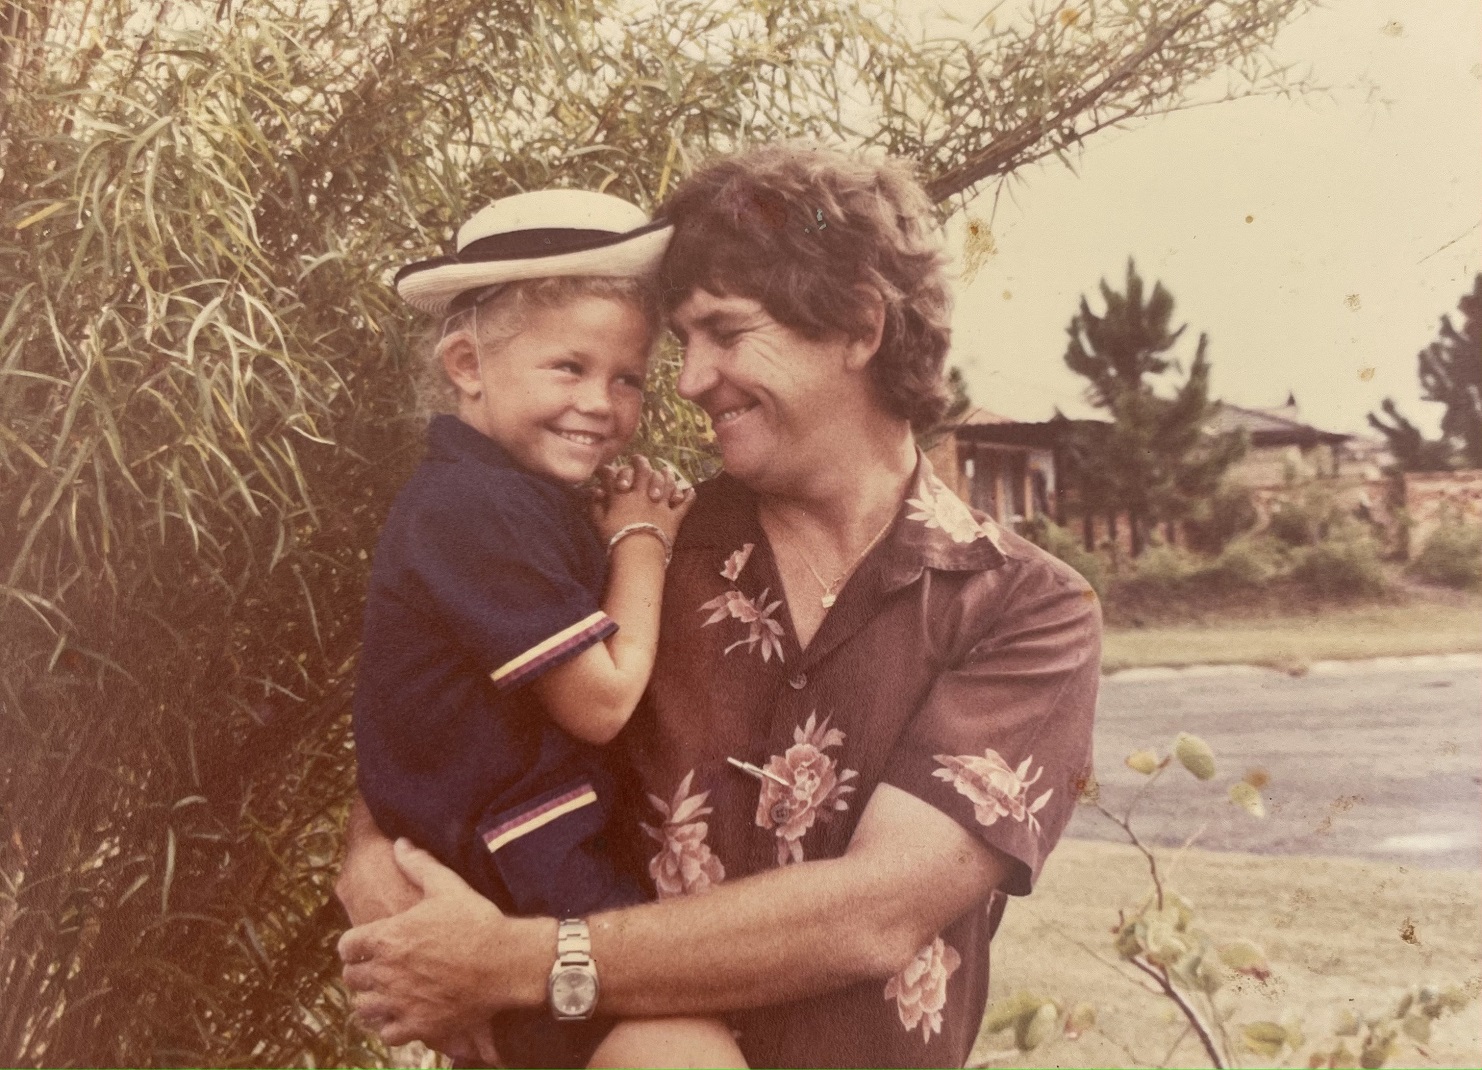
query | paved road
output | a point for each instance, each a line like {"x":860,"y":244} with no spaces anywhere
{"x":1376,"y":760}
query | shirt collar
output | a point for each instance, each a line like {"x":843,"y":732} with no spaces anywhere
{"x":934,"y":528}
{"x":450,"y":439}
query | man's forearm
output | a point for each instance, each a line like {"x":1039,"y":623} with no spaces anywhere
{"x":788,"y":933}
{"x":370,"y":885}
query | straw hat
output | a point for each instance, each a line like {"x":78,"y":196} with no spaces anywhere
{"x":535,"y":236}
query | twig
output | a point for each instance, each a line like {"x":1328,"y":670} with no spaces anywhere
{"x":1179,"y":854}
{"x":1132,"y":1056}
{"x":1449,"y":244}
{"x":1174,"y":1046}
{"x":1160,"y":975}
{"x":1108,"y":963}
{"x":1142,"y":792}
{"x":1122,"y":823}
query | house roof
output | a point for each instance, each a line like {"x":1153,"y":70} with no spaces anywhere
{"x":1271,"y":428}
{"x":977,"y":416}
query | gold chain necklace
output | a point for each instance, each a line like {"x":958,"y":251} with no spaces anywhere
{"x":830,"y":590}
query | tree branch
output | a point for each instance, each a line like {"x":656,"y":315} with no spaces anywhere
{"x":1003,"y":151}
{"x":1160,"y":975}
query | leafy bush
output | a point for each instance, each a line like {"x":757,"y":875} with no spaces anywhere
{"x":1451,"y":556}
{"x":1297,"y":523}
{"x":1225,"y":516}
{"x":1163,"y":568}
{"x":1342,"y":567}
{"x":1248,"y":562}
{"x":1051,"y":537}
{"x":203,"y":412}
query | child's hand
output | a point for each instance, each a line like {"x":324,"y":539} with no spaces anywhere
{"x":640,"y":494}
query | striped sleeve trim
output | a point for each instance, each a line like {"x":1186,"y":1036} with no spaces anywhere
{"x":557,"y":648}
{"x":538,"y":816}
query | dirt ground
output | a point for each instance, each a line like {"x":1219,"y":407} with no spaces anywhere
{"x":1339,"y":933}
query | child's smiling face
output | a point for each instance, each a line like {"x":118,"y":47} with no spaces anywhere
{"x":563,"y":396}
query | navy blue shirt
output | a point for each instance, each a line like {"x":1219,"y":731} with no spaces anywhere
{"x":485,"y":576}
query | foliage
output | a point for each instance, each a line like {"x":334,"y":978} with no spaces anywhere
{"x":1450,"y":371}
{"x":1249,"y":563}
{"x":1225,"y":515}
{"x":1051,"y":537}
{"x":1177,"y":960}
{"x":1342,"y":566}
{"x":1156,"y":460}
{"x":1451,"y":374}
{"x":204,"y":409}
{"x":1309,"y":514}
{"x":1413,"y":452}
{"x":1452,"y":555}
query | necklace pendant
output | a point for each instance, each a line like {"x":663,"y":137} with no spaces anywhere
{"x":828,"y":600}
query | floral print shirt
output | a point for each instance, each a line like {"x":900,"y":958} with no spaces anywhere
{"x":959,"y":663}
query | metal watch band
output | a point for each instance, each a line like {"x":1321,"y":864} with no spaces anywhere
{"x":573,"y":942}
{"x":573,"y":987}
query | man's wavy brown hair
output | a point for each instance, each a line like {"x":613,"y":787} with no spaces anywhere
{"x":801,"y":229}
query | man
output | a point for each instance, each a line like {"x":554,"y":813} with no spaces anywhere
{"x":871,"y":710}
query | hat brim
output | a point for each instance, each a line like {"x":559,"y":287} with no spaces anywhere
{"x":432,"y":285}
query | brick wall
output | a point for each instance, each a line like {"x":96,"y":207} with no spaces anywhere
{"x":1432,"y":496}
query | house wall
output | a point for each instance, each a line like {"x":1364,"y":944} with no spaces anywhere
{"x":1264,"y":466}
{"x":1009,"y":483}
{"x":947,"y":466}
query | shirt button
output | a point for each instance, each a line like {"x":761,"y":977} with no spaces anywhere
{"x":798,"y":682}
{"x":780,"y":813}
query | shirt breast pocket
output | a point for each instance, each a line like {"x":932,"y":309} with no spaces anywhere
{"x":549,"y":852}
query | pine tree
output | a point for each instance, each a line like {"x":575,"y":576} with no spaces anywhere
{"x":1450,"y":373}
{"x":1155,"y":460}
{"x":1412,"y":451}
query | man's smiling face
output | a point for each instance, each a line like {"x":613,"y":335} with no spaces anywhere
{"x":766,"y":388}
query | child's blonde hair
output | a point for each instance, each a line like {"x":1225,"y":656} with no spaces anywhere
{"x":500,"y":318}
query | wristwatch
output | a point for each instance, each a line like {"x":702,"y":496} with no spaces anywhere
{"x":573,"y":982}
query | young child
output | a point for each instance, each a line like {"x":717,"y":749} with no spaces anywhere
{"x":511,"y":627}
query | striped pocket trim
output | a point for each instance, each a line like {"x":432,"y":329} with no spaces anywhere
{"x":539,"y":816}
{"x":540,"y":657}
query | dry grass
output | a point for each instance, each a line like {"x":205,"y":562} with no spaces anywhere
{"x":1332,"y":928}
{"x":1293,"y":642}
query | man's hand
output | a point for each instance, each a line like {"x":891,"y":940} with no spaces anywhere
{"x":432,"y":973}
{"x":371,"y":885}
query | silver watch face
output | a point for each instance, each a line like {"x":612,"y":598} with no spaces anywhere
{"x":573,"y":991}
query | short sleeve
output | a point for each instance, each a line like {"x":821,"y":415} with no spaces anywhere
{"x":1002,"y":743}
{"x":504,"y":570}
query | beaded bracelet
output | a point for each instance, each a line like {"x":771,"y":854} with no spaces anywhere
{"x":643,"y":529}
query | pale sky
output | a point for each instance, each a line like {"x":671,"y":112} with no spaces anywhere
{"x":1341,"y":268}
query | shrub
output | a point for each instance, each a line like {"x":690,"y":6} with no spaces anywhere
{"x":1342,"y":566}
{"x":1248,"y":562}
{"x":1226,"y":516}
{"x":1451,"y":556}
{"x":1051,"y":537}
{"x":1166,"y":568}
{"x":1296,"y":523}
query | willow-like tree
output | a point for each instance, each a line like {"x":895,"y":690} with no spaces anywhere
{"x":203,"y":407}
{"x":1155,"y":459}
{"x":1450,"y":371}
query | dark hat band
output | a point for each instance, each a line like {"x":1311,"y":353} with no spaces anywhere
{"x":532,"y":244}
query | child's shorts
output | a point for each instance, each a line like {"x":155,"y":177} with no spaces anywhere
{"x":557,"y":867}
